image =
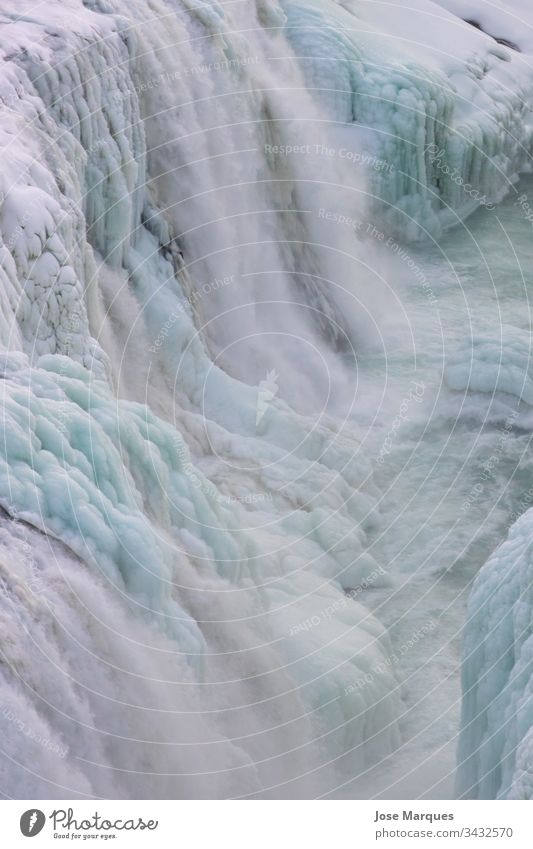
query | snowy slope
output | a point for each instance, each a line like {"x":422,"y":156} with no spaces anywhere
{"x":506,"y":22}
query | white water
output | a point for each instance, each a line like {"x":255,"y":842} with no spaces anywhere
{"x":211,"y":541}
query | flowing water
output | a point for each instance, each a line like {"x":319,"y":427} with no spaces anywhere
{"x":454,"y":476}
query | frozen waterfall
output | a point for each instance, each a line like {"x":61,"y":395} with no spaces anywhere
{"x":188,"y":279}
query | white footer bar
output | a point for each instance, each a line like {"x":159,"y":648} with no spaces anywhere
{"x":267,"y":824}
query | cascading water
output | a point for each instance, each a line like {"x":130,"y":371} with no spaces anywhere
{"x":208,"y":326}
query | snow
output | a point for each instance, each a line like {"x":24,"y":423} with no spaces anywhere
{"x":172,"y":535}
{"x":511,"y":21}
